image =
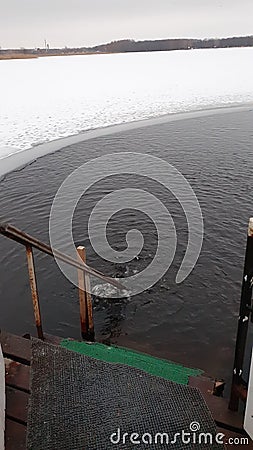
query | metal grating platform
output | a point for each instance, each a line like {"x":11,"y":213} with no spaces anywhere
{"x":78,"y":402}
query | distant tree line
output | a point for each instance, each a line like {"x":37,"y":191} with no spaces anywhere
{"x":129,"y":45}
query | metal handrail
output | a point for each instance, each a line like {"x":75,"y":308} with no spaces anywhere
{"x":25,"y":239}
{"x":84,"y":271}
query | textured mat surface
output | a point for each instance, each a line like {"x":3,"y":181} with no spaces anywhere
{"x":154,"y":366}
{"x":80,"y":403}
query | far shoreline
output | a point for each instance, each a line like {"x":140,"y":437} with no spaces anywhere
{"x":32,"y":56}
{"x":11,"y":56}
{"x":130,"y":46}
{"x":18,"y":160}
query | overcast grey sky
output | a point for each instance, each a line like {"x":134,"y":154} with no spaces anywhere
{"x":26,"y":23}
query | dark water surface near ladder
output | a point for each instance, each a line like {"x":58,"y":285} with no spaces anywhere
{"x":193,"y":322}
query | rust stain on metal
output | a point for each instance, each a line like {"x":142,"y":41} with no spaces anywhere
{"x":34,"y":290}
{"x":85,"y":297}
{"x":89,"y":306}
{"x":82,"y":294}
{"x":11,"y":369}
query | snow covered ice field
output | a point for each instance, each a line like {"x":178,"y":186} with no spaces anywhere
{"x":48,"y":98}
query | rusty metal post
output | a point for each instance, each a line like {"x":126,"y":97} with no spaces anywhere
{"x":85,"y":282}
{"x":243,"y":322}
{"x":82,"y":295}
{"x":91,"y":332}
{"x":34,"y":291}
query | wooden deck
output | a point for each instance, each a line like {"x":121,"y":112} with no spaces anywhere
{"x":17,"y":354}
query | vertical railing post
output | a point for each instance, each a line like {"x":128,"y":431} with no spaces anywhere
{"x":86,"y":309}
{"x":243,"y":322}
{"x":34,"y":291}
{"x":82,"y":296}
{"x":91,"y":333}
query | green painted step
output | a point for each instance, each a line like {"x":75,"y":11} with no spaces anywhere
{"x":154,"y":366}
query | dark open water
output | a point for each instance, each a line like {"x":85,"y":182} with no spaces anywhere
{"x":194,"y":322}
